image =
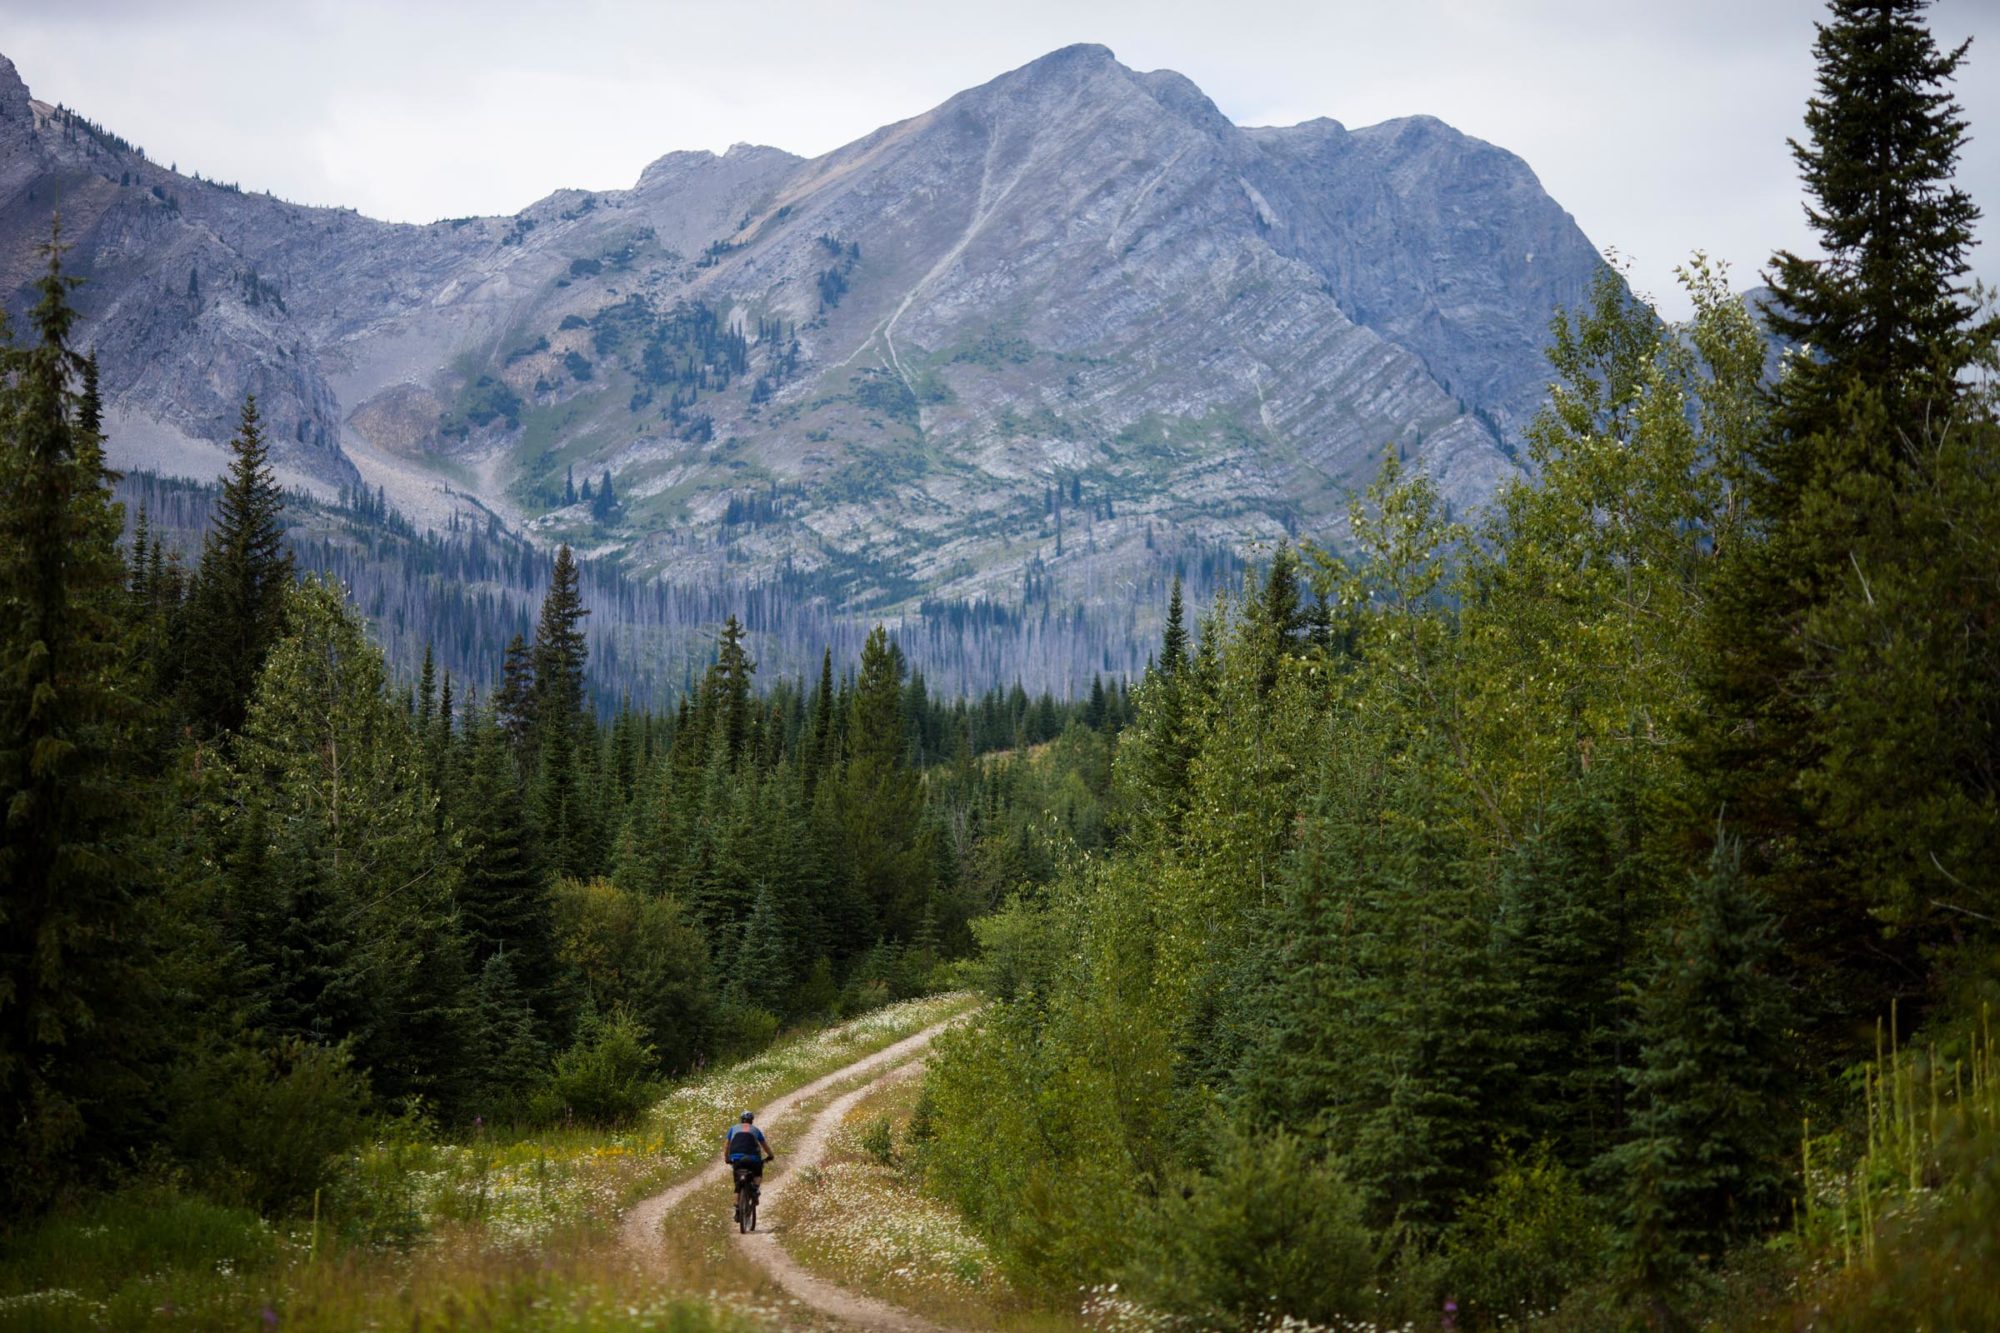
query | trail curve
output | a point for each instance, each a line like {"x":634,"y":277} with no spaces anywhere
{"x":640,"y":1231}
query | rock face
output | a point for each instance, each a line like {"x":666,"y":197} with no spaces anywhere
{"x":1035,"y":345}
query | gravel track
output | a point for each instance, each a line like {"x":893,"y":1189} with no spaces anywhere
{"x":641,"y":1229}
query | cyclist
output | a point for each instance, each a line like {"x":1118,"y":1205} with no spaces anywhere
{"x":745,"y":1149}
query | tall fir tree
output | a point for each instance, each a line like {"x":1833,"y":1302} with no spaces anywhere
{"x":561,"y":808}
{"x":880,"y":806}
{"x":360,"y":875}
{"x":235,"y":606}
{"x":1708,"y":1156}
{"x":71,"y":977}
{"x":1867,"y":423}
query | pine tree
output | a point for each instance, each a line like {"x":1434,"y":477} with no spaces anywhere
{"x":367,"y":886}
{"x":511,"y":1055}
{"x":72,"y":995}
{"x":236,"y":603}
{"x":514,"y":702}
{"x":728,"y":688}
{"x":1708,"y":1156}
{"x":821,"y":753}
{"x":426,"y":694}
{"x":1887,"y":307}
{"x":501,"y":899}
{"x":1868,"y":422}
{"x":1173,"y":644}
{"x":880,"y":803}
{"x":561,"y":810}
{"x":604,"y":504}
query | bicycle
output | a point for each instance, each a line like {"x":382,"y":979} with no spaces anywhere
{"x":748,"y":1188}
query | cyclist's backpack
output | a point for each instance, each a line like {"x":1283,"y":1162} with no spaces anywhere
{"x":744,"y":1143}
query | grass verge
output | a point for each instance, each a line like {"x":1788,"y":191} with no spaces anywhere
{"x":503,"y":1230}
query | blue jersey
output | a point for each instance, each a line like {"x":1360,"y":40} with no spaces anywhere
{"x":744,"y":1143}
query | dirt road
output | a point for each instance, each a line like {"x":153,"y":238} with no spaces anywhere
{"x":803,"y":1146}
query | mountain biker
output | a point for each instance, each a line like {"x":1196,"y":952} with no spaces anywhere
{"x":745,"y":1149}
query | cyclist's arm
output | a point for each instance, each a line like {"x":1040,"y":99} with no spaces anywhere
{"x":765,"y":1144}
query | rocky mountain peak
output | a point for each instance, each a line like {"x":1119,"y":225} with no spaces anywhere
{"x":1035,"y":348}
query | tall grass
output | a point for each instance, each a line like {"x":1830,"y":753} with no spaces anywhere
{"x":1909,"y":1229}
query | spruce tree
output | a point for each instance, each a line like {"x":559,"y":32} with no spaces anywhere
{"x":502,"y":903}
{"x":1887,"y":307}
{"x":70,"y":962}
{"x":821,"y":753}
{"x":1173,"y":643}
{"x":1867,"y":423}
{"x":514,"y":701}
{"x":880,"y":803}
{"x":1708,"y":1156}
{"x":728,"y":687}
{"x":560,"y":806}
{"x":359,"y":873}
{"x":511,"y":1055}
{"x":235,"y":606}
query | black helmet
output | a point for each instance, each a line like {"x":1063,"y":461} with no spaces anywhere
{"x":748,"y":1116}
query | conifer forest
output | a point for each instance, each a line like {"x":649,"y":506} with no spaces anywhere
{"x":1581,"y":912}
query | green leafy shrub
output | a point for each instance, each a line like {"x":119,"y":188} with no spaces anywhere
{"x":375,"y":1198}
{"x":748,"y":1029}
{"x":879,"y":1141}
{"x":605,"y":1078}
{"x":1525,"y":1242}
{"x":1268,"y":1231}
{"x":261,"y":1126}
{"x":1017,"y":951}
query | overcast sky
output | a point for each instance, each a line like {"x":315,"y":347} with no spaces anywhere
{"x":1660,"y":124}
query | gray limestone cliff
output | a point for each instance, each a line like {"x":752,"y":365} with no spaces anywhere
{"x":1056,"y":333}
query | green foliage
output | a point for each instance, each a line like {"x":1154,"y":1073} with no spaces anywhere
{"x":879,"y":1141}
{"x":605,"y":1078}
{"x":74,"y":986}
{"x":235,"y":605}
{"x":485,"y":401}
{"x":639,"y":956}
{"x":115,"y":1249}
{"x":1269,"y":1230}
{"x":1817,"y":688}
{"x":1705,"y":1164}
{"x":1524,"y":1242}
{"x":342,"y":907}
{"x":261,"y":1126}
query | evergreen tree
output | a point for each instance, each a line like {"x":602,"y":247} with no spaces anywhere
{"x":880,"y":803}
{"x":502,"y":903}
{"x":511,"y":1055}
{"x":514,"y":702}
{"x":821,"y":753}
{"x":1173,"y":644}
{"x":1887,"y":307}
{"x":72,"y":1006}
{"x":365,"y":885}
{"x":236,"y":603}
{"x":1841,"y":494}
{"x":560,"y":807}
{"x":604,"y":504}
{"x":727,"y":688}
{"x":1708,"y":1156}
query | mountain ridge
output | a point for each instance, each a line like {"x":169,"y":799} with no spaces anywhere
{"x":1042,"y":342}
